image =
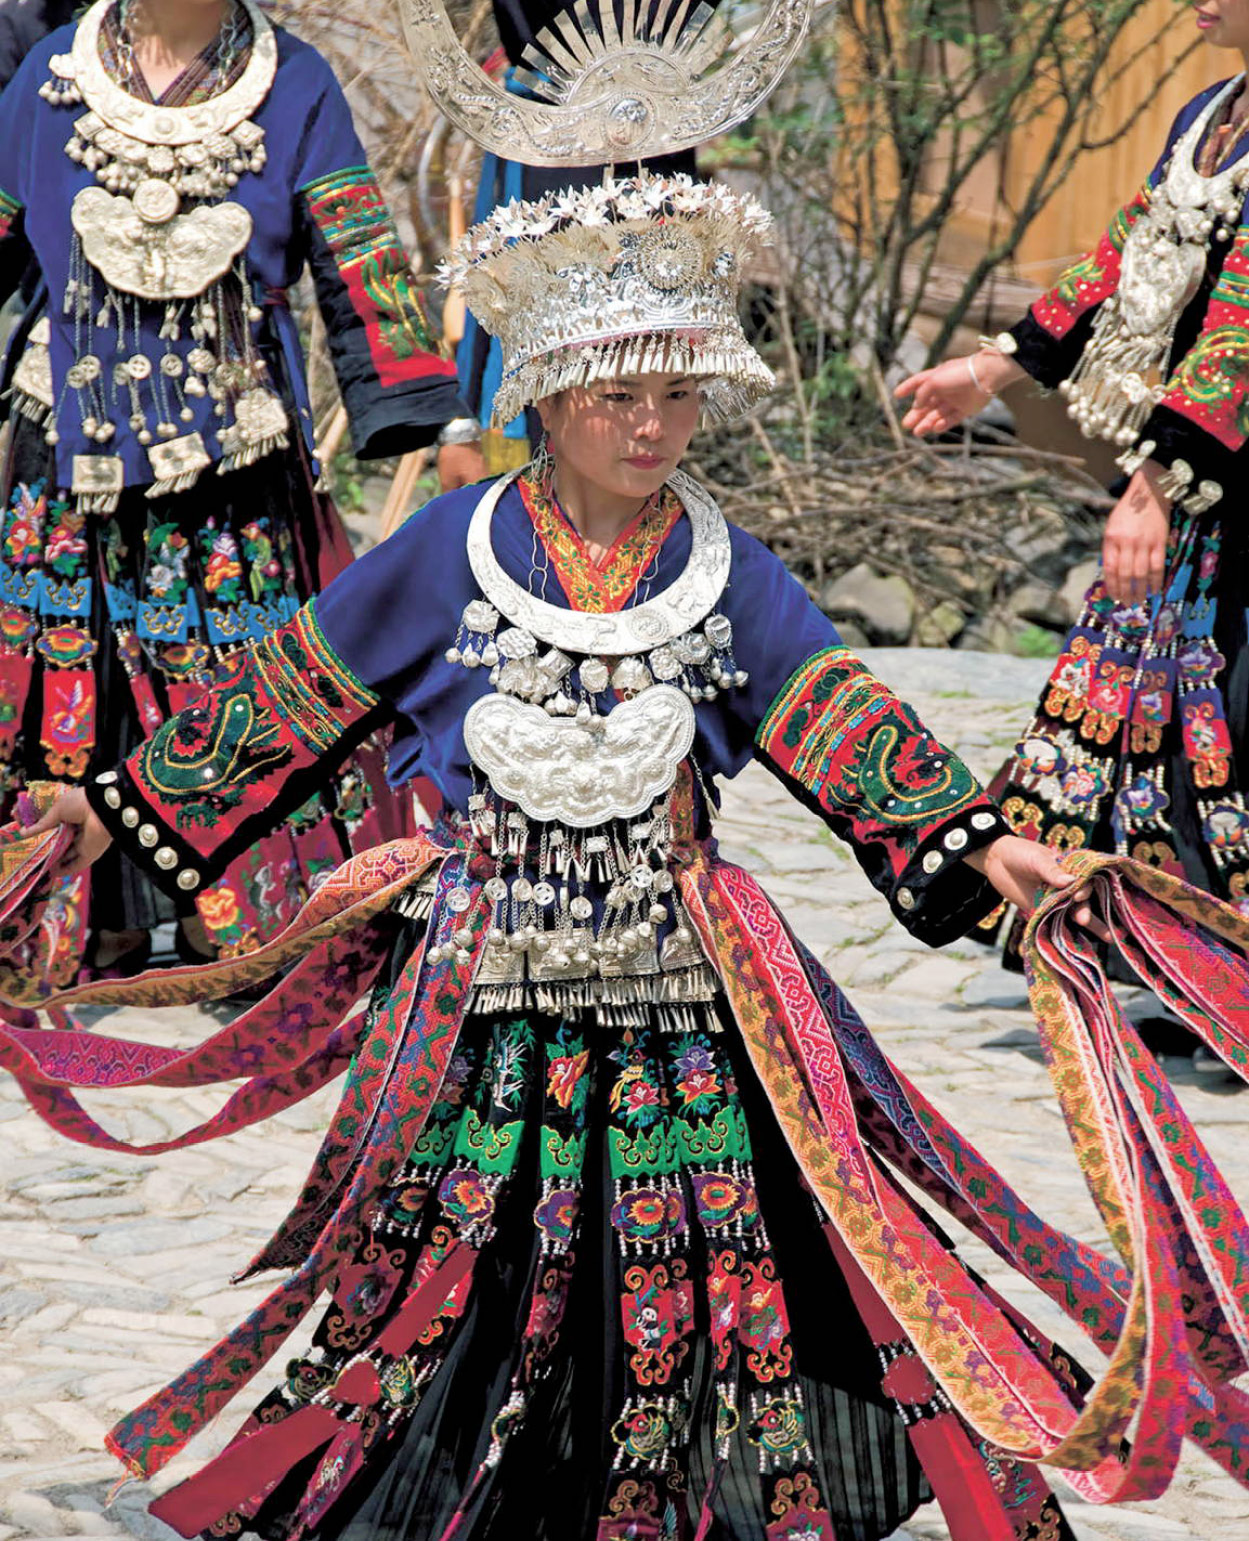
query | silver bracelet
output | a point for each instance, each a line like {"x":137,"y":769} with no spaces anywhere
{"x":460,"y":430}
{"x":975,"y":378}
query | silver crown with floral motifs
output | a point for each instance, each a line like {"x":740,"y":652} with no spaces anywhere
{"x":621,"y":278}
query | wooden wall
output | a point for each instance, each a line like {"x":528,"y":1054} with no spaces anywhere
{"x":1104,"y":178}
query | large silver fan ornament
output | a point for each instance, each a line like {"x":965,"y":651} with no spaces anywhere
{"x":605,"y":87}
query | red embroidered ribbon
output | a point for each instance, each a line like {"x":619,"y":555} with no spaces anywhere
{"x":1146,"y":1163}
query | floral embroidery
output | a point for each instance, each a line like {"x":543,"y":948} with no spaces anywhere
{"x":605,"y":587}
{"x":223,"y":571}
{"x":657,"y":1309}
{"x":348,"y":209}
{"x":564,"y":1077}
{"x":167,"y":554}
{"x":699,"y":1084}
{"x":265,"y":569}
{"x":66,"y":543}
{"x":23,"y":526}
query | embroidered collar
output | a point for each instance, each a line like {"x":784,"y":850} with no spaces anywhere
{"x":602,"y":588}
{"x":641,"y":628}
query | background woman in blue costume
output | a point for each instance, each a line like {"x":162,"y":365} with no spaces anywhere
{"x":167,"y":169}
{"x":1139,"y":745}
{"x":579,"y":1287}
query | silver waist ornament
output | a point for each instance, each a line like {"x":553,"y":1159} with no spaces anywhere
{"x":576,"y":811}
{"x":161,"y":229}
{"x":1117,"y":382}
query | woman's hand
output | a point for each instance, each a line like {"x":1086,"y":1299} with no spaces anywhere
{"x":1017,"y":868}
{"x":459,"y":465}
{"x":91,"y":840}
{"x":948,"y":393}
{"x":1134,"y":545}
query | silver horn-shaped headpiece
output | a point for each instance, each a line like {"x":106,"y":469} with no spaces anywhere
{"x":613,"y":80}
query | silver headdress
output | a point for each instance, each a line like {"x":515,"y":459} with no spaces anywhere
{"x":622,"y":278}
{"x":610,"y":80}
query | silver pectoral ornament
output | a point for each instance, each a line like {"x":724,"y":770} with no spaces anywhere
{"x":174,"y":259}
{"x":581,"y":774}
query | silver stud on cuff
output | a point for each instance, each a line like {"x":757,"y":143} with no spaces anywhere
{"x":932,"y":861}
{"x":106,"y":778}
{"x":130,"y":817}
{"x":187,"y":879}
{"x":112,"y":797}
{"x":166,"y":858}
{"x":983,"y":820}
{"x":148,"y":835}
{"x":955,"y":840}
{"x":906,"y":899}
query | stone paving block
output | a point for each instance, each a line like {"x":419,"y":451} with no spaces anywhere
{"x":32,"y":1515}
{"x":85,"y":1430}
{"x":157,"y":1236}
{"x":993,"y":986}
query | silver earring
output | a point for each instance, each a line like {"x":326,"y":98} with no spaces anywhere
{"x":541,"y":468}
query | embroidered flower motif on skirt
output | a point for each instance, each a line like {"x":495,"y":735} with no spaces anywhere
{"x":23,"y":524}
{"x":657,"y":1310}
{"x":764,"y":1328}
{"x":799,"y":1507}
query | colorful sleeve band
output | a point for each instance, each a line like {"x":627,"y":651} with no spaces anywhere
{"x":227,"y":770}
{"x":909,"y":806}
{"x":348,"y":210}
{"x":10,"y":208}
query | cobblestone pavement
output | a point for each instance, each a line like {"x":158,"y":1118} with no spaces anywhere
{"x":113,"y":1270}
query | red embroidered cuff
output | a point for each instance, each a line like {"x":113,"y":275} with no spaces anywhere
{"x":908,"y":805}
{"x":227,"y":770}
{"x":10,"y":208}
{"x":348,"y":210}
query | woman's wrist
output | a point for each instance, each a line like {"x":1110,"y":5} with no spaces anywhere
{"x":992,"y":371}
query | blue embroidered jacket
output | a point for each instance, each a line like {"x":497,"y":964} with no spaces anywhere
{"x":315,"y":204}
{"x":371,"y":648}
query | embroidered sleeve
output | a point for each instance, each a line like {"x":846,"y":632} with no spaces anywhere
{"x":908,"y":805}
{"x":1207,"y":396}
{"x":226,"y":771}
{"x":396,"y":385}
{"x":14,"y":252}
{"x":1051,"y":337}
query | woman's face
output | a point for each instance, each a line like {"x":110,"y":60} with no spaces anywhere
{"x":1224,"y":23}
{"x":623,"y":437}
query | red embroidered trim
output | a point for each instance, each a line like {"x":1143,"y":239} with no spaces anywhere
{"x":865,"y":757}
{"x":349,"y":210}
{"x":10,"y":208}
{"x":1208,"y":388}
{"x":607,"y":586}
{"x":1094,"y":278}
{"x":282,"y":706}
